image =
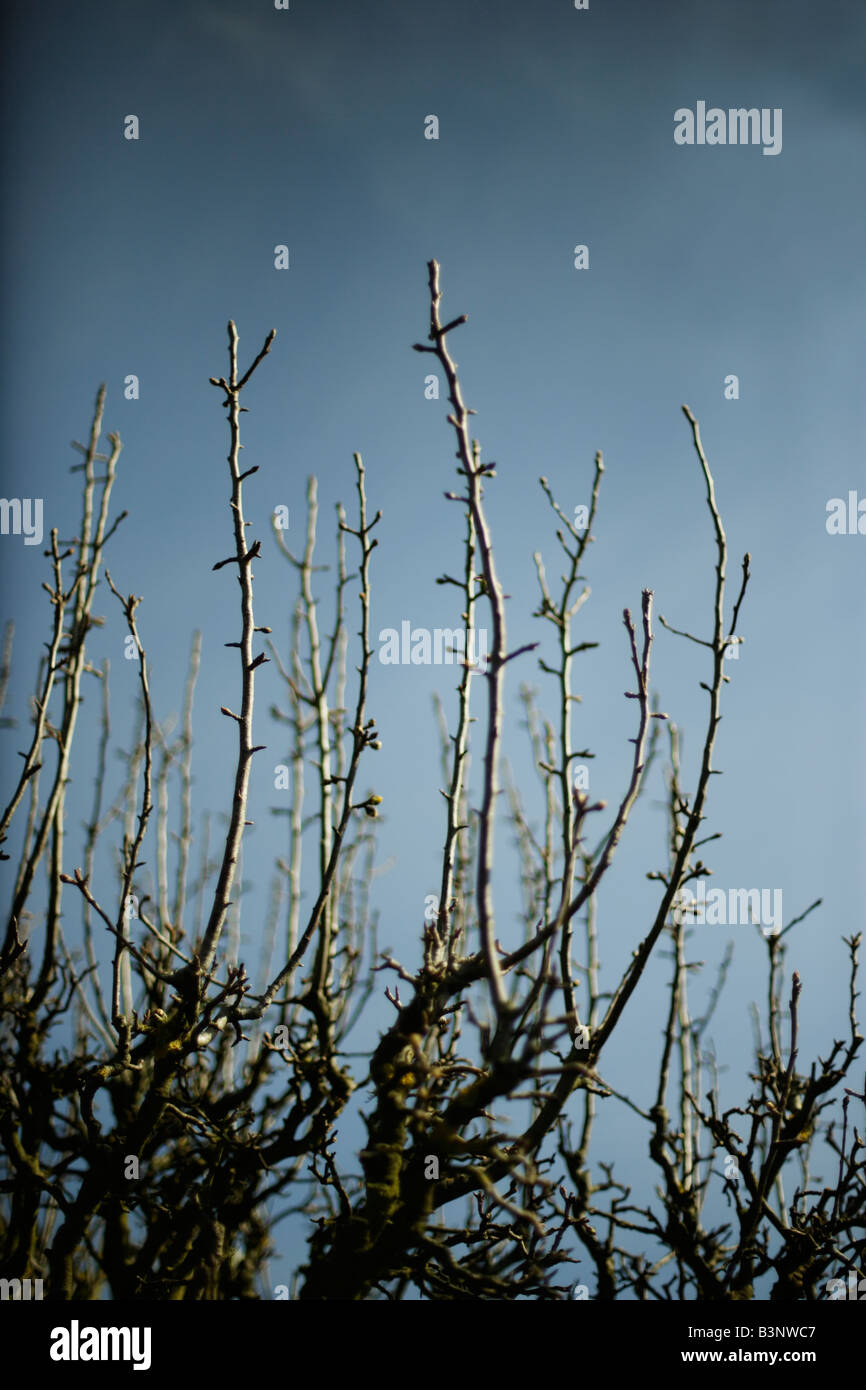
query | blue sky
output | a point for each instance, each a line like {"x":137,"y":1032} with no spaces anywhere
{"x":306,"y":127}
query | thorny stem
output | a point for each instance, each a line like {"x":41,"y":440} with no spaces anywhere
{"x":243,"y":558}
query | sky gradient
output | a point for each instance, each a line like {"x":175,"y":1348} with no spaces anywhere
{"x":556,"y":129}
